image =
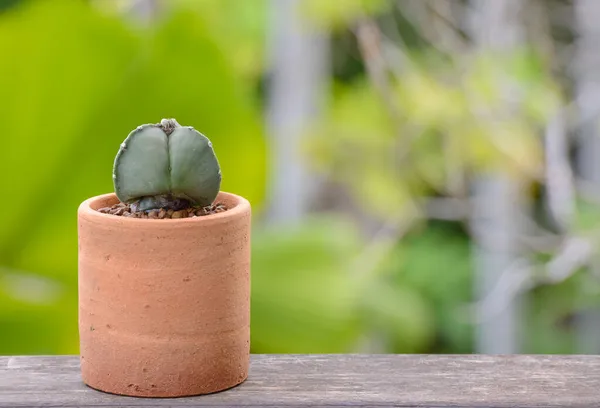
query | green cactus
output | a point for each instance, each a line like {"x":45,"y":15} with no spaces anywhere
{"x":166,"y":165}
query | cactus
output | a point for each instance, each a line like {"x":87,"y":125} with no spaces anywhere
{"x":166,"y":165}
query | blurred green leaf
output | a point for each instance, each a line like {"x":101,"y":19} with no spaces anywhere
{"x":307,"y":298}
{"x":85,"y":80}
{"x":399,"y":316}
{"x":238,"y":27}
{"x":303,"y":300}
{"x":429,"y":102}
{"x":551,"y":313}
{"x":435,"y":262}
{"x":36,"y":315}
{"x":587,"y":216}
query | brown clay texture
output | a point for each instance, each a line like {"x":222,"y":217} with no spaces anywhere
{"x":164,"y":305}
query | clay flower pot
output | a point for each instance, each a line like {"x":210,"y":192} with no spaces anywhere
{"x":164,"y":304}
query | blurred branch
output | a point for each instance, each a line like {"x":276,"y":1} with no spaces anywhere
{"x":520,"y":277}
{"x":446,"y":36}
{"x":449,"y":209}
{"x":369,"y":41}
{"x":144,"y":11}
{"x":456,"y":180}
{"x":589,"y":191}
{"x":559,"y":178}
{"x":460,"y":209}
{"x":380,"y":247}
{"x":445,"y":31}
{"x":370,"y":44}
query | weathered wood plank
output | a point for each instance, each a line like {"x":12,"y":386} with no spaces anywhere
{"x":338,"y":380}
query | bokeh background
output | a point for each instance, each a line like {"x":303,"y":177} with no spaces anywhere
{"x":425,"y":174}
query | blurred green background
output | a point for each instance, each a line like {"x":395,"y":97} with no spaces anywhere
{"x":410,"y":110}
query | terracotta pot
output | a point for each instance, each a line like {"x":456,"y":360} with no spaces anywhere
{"x":164,"y":305}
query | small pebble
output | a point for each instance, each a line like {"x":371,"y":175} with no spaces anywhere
{"x":179,"y":214}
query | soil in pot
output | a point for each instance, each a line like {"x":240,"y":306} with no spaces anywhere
{"x":126,"y":210}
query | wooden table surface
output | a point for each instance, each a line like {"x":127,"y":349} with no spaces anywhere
{"x":337,"y":380}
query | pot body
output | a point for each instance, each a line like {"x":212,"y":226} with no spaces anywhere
{"x":164,"y":305}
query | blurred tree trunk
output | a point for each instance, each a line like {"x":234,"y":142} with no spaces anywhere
{"x":587,"y":78}
{"x":298,"y":78}
{"x":496,"y":28}
{"x":145,"y":10}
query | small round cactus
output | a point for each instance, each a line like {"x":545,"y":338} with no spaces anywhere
{"x":166,"y":165}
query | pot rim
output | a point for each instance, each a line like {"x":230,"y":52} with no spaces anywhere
{"x":242,"y":205}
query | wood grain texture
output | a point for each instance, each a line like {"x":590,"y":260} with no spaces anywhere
{"x":337,"y":380}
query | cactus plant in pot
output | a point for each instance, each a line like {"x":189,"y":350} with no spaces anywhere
{"x":164,"y":271}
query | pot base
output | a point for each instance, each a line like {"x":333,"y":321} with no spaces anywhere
{"x":165,"y":396}
{"x":163,"y":368}
{"x":157,"y":394}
